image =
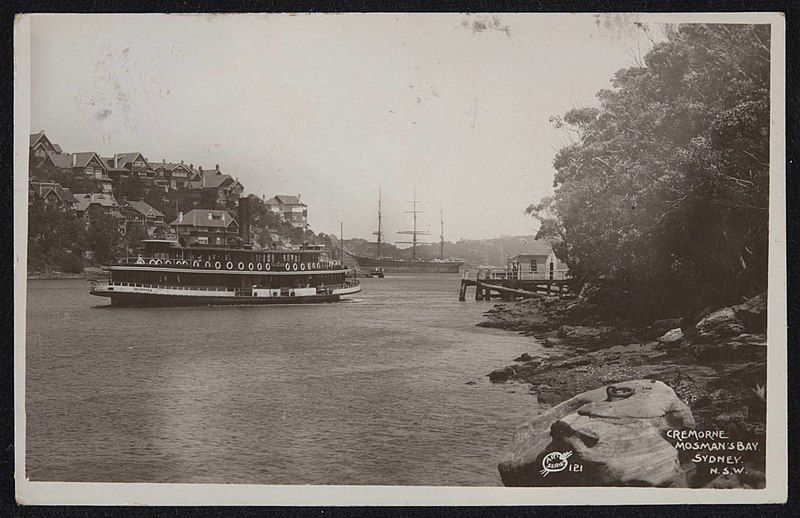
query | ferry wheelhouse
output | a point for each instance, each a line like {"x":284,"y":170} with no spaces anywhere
{"x":166,"y":273}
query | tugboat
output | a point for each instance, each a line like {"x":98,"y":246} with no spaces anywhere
{"x":168,"y":273}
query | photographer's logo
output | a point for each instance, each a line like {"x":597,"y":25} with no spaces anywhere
{"x":555,"y":461}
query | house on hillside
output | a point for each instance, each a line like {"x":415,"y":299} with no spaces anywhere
{"x":51,"y":195}
{"x":85,"y":165}
{"x":125,"y":165}
{"x":206,"y":227}
{"x":39,"y":145}
{"x":538,"y":261}
{"x":90,"y":204}
{"x":150,"y":219}
{"x":223,"y":189}
{"x":174,"y":175}
{"x":290,"y":208}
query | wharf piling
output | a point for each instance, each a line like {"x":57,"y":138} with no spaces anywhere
{"x":509,"y":284}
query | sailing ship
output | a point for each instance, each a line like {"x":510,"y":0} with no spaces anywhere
{"x":416,"y":264}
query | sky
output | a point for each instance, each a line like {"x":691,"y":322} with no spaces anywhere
{"x":335,"y":107}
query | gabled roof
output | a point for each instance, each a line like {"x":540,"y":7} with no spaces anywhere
{"x":200,"y":218}
{"x":538,"y":248}
{"x":144,"y":208}
{"x":125,"y":158}
{"x":211,"y":180}
{"x":109,"y":161}
{"x":286,"y":199}
{"x":83,"y":159}
{"x":60,"y":160}
{"x":34,"y":138}
{"x":42,"y":189}
{"x":87,"y":199}
{"x":57,"y":148}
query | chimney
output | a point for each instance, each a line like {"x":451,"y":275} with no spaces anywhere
{"x":181,"y":162}
{"x":163,"y":160}
{"x":180,"y":217}
{"x":74,"y":160}
{"x":223,"y":216}
{"x":116,"y":160}
{"x":209,"y":215}
{"x":264,"y":198}
{"x":217,"y":169}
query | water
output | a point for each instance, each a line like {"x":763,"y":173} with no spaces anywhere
{"x":367,"y":391}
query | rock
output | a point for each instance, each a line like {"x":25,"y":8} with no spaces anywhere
{"x":719,"y":324}
{"x":659,"y":327}
{"x":617,"y":441}
{"x":524,"y":357}
{"x":472,"y":383}
{"x":501,"y":375}
{"x":552,"y":342}
{"x":672,"y":337}
{"x":582,"y":332}
{"x":753,"y":313}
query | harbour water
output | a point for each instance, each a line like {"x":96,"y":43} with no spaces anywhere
{"x":368,"y":391}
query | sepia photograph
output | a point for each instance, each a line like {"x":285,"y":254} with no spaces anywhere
{"x":383,"y":258}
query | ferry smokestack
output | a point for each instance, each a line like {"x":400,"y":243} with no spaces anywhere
{"x":244,"y":219}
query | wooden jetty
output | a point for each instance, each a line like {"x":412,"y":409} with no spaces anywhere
{"x":508,"y":284}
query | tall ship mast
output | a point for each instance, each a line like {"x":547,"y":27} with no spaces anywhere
{"x":414,"y":233}
{"x":379,"y":232}
{"x":441,"y":234}
{"x":416,"y":264}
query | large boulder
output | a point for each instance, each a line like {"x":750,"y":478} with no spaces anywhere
{"x":753,"y":313}
{"x":719,"y":324}
{"x":612,"y":436}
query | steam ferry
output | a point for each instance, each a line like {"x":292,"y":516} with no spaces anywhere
{"x":166,"y":273}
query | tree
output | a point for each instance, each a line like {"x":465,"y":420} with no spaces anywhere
{"x":663,"y":190}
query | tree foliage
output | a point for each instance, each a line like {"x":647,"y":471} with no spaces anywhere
{"x":663,"y":190}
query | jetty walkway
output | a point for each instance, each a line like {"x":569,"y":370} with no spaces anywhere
{"x":508,"y":284}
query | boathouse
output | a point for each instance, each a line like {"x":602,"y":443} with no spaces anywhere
{"x":539,"y":261}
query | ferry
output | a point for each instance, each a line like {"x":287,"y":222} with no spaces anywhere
{"x":166,"y":273}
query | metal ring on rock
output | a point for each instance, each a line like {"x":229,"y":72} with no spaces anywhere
{"x":614,"y":392}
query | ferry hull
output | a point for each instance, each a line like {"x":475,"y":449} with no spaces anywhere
{"x":408,"y":266}
{"x":156,"y":300}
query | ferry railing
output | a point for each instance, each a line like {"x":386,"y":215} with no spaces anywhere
{"x":189,"y":264}
{"x":237,"y":291}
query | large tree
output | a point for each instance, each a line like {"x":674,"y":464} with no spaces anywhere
{"x":663,"y":192}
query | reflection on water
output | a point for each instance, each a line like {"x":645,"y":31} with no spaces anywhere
{"x":368,"y":391}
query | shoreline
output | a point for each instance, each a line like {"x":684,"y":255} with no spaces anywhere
{"x":90,"y":273}
{"x":721,"y":375}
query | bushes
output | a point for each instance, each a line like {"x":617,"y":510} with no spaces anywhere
{"x":68,"y":262}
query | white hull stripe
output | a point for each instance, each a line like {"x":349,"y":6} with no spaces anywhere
{"x":243,"y":272}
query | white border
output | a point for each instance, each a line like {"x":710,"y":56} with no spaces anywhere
{"x":54,"y":493}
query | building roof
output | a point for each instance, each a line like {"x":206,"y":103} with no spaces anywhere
{"x":42,"y":189}
{"x":57,"y":148}
{"x":93,"y":198}
{"x":82,"y":159}
{"x":201,"y":218}
{"x":284,"y":199}
{"x":144,"y":208}
{"x":125,"y":158}
{"x":537,"y":248}
{"x":34,"y":138}
{"x":60,"y":160}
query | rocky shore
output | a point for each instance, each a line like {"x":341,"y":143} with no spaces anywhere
{"x":715,"y":363}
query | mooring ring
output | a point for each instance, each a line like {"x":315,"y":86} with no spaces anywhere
{"x":614,"y":392}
